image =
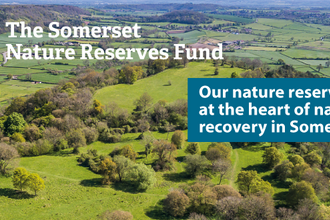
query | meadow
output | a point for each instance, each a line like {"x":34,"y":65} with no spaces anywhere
{"x":157,"y":86}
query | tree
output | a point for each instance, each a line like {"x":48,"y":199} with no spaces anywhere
{"x":313,"y":158}
{"x":319,"y":182}
{"x":224,"y":191}
{"x":178,"y":138}
{"x":141,"y":176}
{"x":193,"y":148}
{"x":147,"y":142}
{"x":166,"y":154}
{"x":299,"y":170}
{"x":218,"y":151}
{"x":296,"y":159}
{"x":202,"y":198}
{"x":123,"y":166}
{"x":278,"y":145}
{"x":168,"y":127}
{"x":228,"y":207}
{"x":300,"y":190}
{"x":258,"y":207}
{"x":128,"y":151}
{"x":76,"y":139}
{"x":9,"y":76}
{"x":308,"y":210}
{"x":143,"y":125}
{"x":98,"y":107}
{"x":14,"y":123}
{"x":35,"y":183}
{"x":32,"y":133}
{"x":144,"y":102}
{"x":235,"y":75}
{"x":280,"y":62}
{"x":20,"y":178}
{"x":17,"y":105}
{"x":249,"y":182}
{"x":108,"y":169}
{"x":272,"y":157}
{"x":176,"y":203}
{"x":216,"y":71}
{"x":195,"y":164}
{"x":284,"y":170}
{"x":18,"y":137}
{"x":319,"y":67}
{"x":221,"y":166}
{"x":8,"y":158}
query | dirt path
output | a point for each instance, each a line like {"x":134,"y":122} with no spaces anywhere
{"x":4,"y":54}
{"x":233,"y":173}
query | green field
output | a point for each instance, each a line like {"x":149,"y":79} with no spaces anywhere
{"x":157,"y":86}
{"x":232,"y":18}
{"x":14,"y":88}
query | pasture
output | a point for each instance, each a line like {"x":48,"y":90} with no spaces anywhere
{"x":157,"y":85}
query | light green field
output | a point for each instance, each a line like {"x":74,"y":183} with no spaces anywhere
{"x":297,"y":53}
{"x":157,"y":86}
{"x":14,"y":88}
{"x":232,"y":18}
{"x":274,"y":22}
{"x":189,"y":37}
{"x":261,"y":48}
{"x":4,"y":39}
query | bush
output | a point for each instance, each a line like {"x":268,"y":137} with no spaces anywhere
{"x":298,"y":191}
{"x":193,"y":148}
{"x":76,"y":139}
{"x":223,"y":191}
{"x":178,"y":139}
{"x":195,"y":164}
{"x":176,"y":203}
{"x":41,"y":147}
{"x":91,"y":134}
{"x":141,"y":176}
{"x":272,"y":157}
{"x":18,"y":137}
{"x":116,"y":215}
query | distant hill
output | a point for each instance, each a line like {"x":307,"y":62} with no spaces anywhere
{"x":165,"y":7}
{"x":40,"y":15}
{"x":185,"y":16}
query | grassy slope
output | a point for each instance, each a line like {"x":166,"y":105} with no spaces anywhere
{"x":157,"y":86}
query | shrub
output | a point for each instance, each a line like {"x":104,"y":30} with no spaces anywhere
{"x":91,"y":134}
{"x":193,"y":148}
{"x":176,"y":203}
{"x":178,"y":139}
{"x":116,"y":215}
{"x":195,"y":164}
{"x":296,"y":159}
{"x":298,"y":191}
{"x":18,"y":137}
{"x":223,"y":191}
{"x":272,"y":157}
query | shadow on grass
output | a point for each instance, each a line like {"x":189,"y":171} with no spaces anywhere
{"x":260,"y":168}
{"x":63,"y":153}
{"x":180,"y":159}
{"x":125,"y":187}
{"x":176,"y":177}
{"x":282,"y":196}
{"x":209,"y":74}
{"x":157,"y":212}
{"x":15,"y":194}
{"x":96,"y":182}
